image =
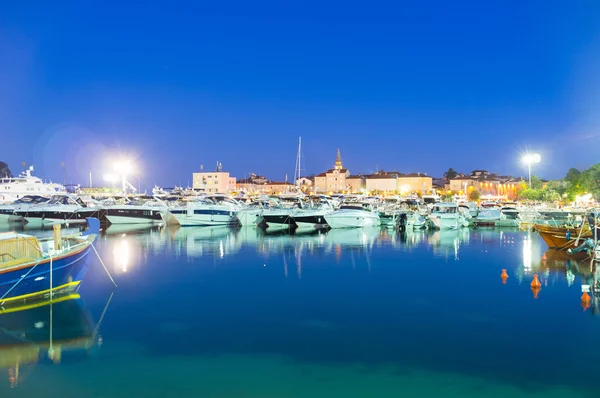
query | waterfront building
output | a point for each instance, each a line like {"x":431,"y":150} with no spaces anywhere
{"x":414,"y":182}
{"x":333,"y":180}
{"x":306,"y":184}
{"x":487,"y":184}
{"x":356,"y":183}
{"x":217,"y":181}
{"x":382,"y":181}
{"x":257,"y":184}
{"x":388,"y":182}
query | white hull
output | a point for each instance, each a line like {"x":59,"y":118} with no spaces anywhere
{"x":352,"y":219}
{"x":32,"y":221}
{"x":8,"y":218}
{"x":132,"y":220}
{"x":448,"y":222}
{"x":203,"y":220}
{"x":250,"y":217}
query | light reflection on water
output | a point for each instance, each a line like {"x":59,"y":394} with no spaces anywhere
{"x":430,"y":300}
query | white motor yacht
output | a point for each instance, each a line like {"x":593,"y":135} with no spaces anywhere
{"x":62,"y":209}
{"x":7,"y":211}
{"x":313,"y":217}
{"x":445,"y":215}
{"x":208,"y":210}
{"x":352,"y":216}
{"x":141,"y":211}
{"x":13,"y":188}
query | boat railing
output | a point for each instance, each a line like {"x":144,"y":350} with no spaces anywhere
{"x":15,"y":250}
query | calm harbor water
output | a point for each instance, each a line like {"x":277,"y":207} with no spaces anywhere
{"x":216,"y":312}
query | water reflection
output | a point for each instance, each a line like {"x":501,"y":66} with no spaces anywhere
{"x":223,"y":241}
{"x":42,"y":331}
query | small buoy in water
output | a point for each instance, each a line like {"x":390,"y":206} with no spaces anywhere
{"x":585,"y":297}
{"x":535,"y":283}
{"x":504,"y":274}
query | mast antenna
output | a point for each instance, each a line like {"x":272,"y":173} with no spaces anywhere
{"x":298,"y":171}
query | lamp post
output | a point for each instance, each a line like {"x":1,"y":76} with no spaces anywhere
{"x":529,"y":159}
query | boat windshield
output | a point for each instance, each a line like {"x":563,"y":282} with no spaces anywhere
{"x":31,"y":199}
{"x":445,"y":209}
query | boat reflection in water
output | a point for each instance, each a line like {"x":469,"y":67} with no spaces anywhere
{"x":193,"y":242}
{"x":131,"y":244}
{"x":549,"y":269}
{"x":45,"y":330}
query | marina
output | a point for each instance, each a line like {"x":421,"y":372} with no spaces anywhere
{"x":451,"y":306}
{"x":298,"y":200}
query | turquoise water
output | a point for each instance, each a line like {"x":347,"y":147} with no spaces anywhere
{"x":215,"y":312}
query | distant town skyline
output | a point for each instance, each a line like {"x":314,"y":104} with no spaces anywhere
{"x":395,"y":85}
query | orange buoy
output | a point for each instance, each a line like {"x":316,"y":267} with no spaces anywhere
{"x":536,"y":291}
{"x":585,"y":297}
{"x":504,"y":274}
{"x":535,"y":283}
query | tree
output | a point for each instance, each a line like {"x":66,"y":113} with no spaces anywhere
{"x":536,"y":182}
{"x":572,"y":175}
{"x":474,"y":195}
{"x":529,"y":194}
{"x":450,"y":174}
{"x":4,"y":170}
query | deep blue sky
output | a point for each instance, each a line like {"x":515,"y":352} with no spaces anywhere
{"x":412,"y":86}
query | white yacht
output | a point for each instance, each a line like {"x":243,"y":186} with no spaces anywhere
{"x":25,"y":184}
{"x":446,"y":215}
{"x":313,"y":217}
{"x":352,"y":216}
{"x":141,"y":211}
{"x":413,"y":220}
{"x":58,"y":209}
{"x":208,"y":210}
{"x":7,"y":210}
{"x":470,"y":207}
{"x":280,"y":215}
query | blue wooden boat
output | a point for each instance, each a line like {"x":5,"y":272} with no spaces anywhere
{"x":33,"y":267}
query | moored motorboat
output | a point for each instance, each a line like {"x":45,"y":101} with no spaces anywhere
{"x":62,"y":209}
{"x":7,"y":210}
{"x":207,"y":211}
{"x":135,"y":212}
{"x":446,"y":215}
{"x":352,"y":216}
{"x":30,"y":266}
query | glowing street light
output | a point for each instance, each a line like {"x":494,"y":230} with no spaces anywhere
{"x":123,"y":169}
{"x":529,"y":159}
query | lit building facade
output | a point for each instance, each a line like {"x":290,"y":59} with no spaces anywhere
{"x":356,"y":183}
{"x":333,"y":180}
{"x":214,"y":182}
{"x":388,"y":182}
{"x":487,"y":184}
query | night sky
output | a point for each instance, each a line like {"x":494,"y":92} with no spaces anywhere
{"x":415,"y":86}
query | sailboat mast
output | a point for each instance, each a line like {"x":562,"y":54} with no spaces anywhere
{"x":298,"y":160}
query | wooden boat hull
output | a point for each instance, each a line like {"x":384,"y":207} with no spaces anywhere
{"x":34,"y":278}
{"x":556,"y":237}
{"x":29,"y":271}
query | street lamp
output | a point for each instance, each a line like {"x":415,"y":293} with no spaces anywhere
{"x":529,"y":159}
{"x":123,"y":169}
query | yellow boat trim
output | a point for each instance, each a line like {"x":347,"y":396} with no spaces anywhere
{"x":68,"y":285}
{"x":74,"y":296}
